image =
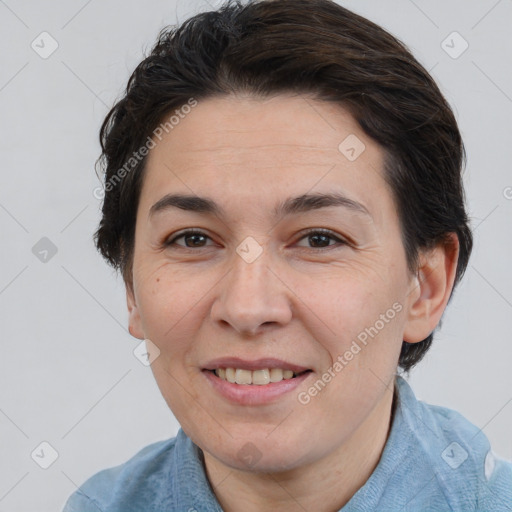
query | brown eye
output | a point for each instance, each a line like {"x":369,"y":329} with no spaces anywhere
{"x":321,"y":238}
{"x":192,"y":239}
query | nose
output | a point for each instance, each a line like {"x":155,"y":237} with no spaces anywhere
{"x":252,"y":297}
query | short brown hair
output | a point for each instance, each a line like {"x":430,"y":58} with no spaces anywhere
{"x":300,"y":46}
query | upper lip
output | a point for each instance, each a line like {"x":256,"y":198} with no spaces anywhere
{"x":255,"y":364}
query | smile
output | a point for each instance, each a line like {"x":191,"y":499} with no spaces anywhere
{"x":243,"y":392}
{"x":257,"y":377}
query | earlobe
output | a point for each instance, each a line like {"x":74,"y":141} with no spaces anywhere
{"x":430,"y":289}
{"x":134,"y":320}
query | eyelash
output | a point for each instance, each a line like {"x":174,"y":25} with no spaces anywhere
{"x":313,"y":231}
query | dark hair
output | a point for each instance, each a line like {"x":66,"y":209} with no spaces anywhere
{"x":296,"y":46}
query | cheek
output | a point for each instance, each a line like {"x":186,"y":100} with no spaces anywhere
{"x":348,"y":301}
{"x":169,"y":305}
{"x":365,"y":323}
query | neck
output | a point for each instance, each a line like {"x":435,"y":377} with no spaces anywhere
{"x":325,"y":485}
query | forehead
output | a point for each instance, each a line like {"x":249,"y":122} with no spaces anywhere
{"x":250,"y":149}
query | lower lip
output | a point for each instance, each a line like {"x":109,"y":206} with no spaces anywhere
{"x":253,"y":394}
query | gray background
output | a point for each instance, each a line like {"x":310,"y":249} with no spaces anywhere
{"x":69,"y":376}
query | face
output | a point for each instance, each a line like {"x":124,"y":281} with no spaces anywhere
{"x":266,"y":283}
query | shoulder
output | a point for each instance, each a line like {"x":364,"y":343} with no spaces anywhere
{"x":123,"y":486}
{"x":465,"y":469}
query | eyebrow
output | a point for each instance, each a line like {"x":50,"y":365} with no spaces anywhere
{"x":292,"y":205}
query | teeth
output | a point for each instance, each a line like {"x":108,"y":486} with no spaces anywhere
{"x":257,"y":377}
{"x":243,"y":376}
{"x":276,"y":374}
{"x":260,"y":377}
{"x":287,"y":374}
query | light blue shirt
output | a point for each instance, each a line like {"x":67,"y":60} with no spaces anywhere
{"x":434,"y":460}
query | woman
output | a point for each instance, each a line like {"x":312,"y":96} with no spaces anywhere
{"x":283,"y":197}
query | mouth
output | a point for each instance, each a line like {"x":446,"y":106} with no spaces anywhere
{"x":252,"y":382}
{"x":260,"y":382}
{"x":260,"y":377}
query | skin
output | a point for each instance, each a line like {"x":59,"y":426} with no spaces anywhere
{"x":303,"y":300}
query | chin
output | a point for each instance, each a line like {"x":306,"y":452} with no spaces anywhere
{"x":262,"y":456}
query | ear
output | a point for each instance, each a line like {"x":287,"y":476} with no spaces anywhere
{"x":430,"y":290}
{"x":134,"y":321}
